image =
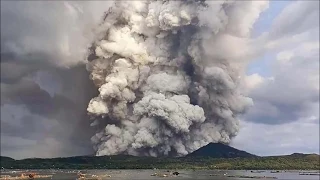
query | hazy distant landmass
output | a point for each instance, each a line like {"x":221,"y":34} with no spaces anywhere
{"x":212,"y":156}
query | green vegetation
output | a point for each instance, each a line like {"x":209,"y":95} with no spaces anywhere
{"x":290,"y":162}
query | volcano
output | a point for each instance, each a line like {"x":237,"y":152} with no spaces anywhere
{"x":219,"y":150}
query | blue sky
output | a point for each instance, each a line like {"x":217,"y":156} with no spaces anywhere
{"x":262,"y":64}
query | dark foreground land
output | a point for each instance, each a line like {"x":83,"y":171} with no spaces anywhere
{"x":303,"y":162}
{"x":212,"y":156}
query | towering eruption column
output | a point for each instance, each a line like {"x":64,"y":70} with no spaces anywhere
{"x":168,"y":74}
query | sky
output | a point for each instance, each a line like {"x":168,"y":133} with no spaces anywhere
{"x":285,"y":117}
{"x":282,"y":80}
{"x":260,"y":65}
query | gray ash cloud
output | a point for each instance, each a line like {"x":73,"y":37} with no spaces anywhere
{"x":168,"y":74}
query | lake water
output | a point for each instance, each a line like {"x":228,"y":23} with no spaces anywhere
{"x":184,"y":175}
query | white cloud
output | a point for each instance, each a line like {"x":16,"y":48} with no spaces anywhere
{"x":252,"y":81}
{"x":292,"y":90}
{"x":285,"y":56}
{"x":261,"y":139}
{"x":294,"y":85}
{"x":285,"y":117}
{"x":298,"y":17}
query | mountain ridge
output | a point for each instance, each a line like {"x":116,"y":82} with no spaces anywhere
{"x":212,"y":150}
{"x":212,"y":156}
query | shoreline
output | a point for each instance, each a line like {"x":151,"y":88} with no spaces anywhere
{"x":186,"y":169}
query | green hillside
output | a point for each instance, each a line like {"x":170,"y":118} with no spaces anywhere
{"x":212,"y":156}
{"x":307,"y":162}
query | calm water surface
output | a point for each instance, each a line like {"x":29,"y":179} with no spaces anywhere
{"x":184,"y":175}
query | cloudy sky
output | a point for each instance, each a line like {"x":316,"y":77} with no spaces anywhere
{"x":283,"y":80}
{"x":284,"y":83}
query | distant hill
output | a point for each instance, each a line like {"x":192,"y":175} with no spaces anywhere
{"x":219,"y":150}
{"x":4,"y":158}
{"x":304,"y":155}
{"x":314,"y":157}
{"x":300,"y":155}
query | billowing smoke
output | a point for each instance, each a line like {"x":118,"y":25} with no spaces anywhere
{"x":168,"y":74}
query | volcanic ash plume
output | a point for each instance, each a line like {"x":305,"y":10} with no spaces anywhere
{"x":168,"y":75}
